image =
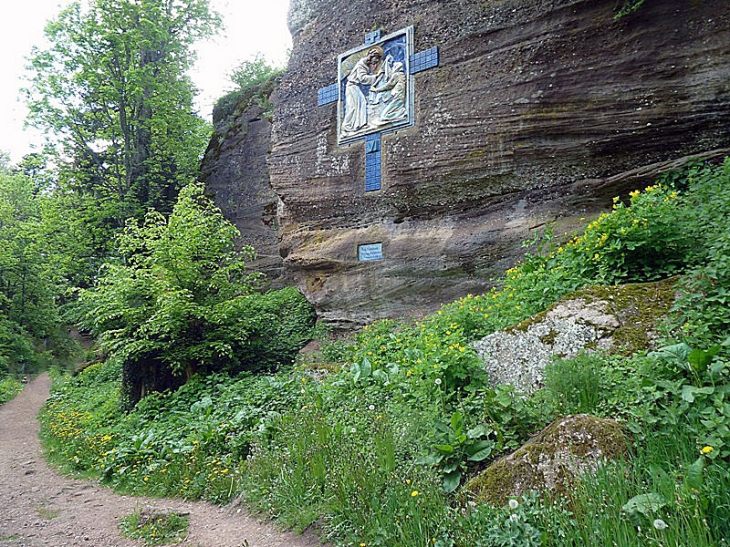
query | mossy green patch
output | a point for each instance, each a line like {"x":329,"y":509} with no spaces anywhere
{"x":551,"y":460}
{"x":639,"y":308}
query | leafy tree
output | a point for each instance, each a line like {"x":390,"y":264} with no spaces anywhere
{"x":252,"y":72}
{"x":111,"y":91}
{"x":27,"y":280}
{"x":182,"y":301}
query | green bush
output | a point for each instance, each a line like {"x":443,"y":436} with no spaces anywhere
{"x":9,"y":388}
{"x":255,"y":79}
{"x":182,"y":300}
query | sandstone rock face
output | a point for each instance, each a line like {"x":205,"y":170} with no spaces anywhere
{"x":566,"y":449}
{"x":539,"y":112}
{"x":236,"y":174}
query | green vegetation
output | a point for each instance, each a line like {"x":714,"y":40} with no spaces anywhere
{"x":254,"y":80}
{"x":193,"y":389}
{"x":627,"y":7}
{"x":180,"y":300}
{"x":370,"y":439}
{"x":155,"y":528}
{"x":31,"y":284}
{"x":110,"y":91}
{"x":9,"y":388}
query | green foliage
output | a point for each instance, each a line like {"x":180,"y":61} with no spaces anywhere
{"x":254,"y":79}
{"x":338,"y":446}
{"x":659,"y":496}
{"x":9,"y":388}
{"x":690,"y":387}
{"x":457,"y":446}
{"x":573,"y":385}
{"x":253,"y":72}
{"x":182,"y":301}
{"x":155,"y":528}
{"x":526,"y":521}
{"x":110,"y":91}
{"x":626,"y":7}
{"x":30,"y":285}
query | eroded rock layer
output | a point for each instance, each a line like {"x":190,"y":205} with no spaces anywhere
{"x":236,"y":175}
{"x":539,"y":112}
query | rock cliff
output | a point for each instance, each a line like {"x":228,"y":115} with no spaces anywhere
{"x":539,"y":112}
{"x":234,"y":171}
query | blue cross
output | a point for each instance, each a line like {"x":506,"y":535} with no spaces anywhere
{"x":423,"y":60}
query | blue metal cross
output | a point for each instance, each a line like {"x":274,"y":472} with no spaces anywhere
{"x":418,"y":62}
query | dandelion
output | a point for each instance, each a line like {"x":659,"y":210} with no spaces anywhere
{"x":414,"y":493}
{"x":363,"y":544}
{"x":371,"y":407}
{"x":437,"y":381}
{"x":659,"y":524}
{"x":513,"y":504}
{"x":707,"y":449}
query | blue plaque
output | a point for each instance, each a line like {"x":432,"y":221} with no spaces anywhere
{"x":370,"y":252}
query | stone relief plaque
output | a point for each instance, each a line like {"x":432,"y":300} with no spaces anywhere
{"x":375,"y":87}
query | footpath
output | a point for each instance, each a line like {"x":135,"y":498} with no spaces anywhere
{"x":38,"y":507}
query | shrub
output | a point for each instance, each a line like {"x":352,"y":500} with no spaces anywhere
{"x":9,"y":388}
{"x":254,"y":79}
{"x":183,"y":301}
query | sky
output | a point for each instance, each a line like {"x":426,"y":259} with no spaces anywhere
{"x":251,"y":27}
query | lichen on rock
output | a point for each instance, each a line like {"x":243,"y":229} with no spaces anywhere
{"x":615,"y":319}
{"x":562,"y":452}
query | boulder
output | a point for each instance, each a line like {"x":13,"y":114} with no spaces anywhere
{"x":620,"y":318}
{"x":551,"y":461}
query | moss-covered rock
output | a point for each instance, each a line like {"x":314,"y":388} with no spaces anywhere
{"x":563,"y":451}
{"x":619,"y":319}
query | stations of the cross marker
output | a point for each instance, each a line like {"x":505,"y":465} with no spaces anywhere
{"x":374,"y":93}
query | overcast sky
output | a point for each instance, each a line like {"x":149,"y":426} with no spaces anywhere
{"x":252,"y":26}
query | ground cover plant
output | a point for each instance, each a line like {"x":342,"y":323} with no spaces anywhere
{"x":373,"y":444}
{"x":155,"y":528}
{"x":9,"y":388}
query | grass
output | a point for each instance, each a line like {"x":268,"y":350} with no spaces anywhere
{"x":155,"y":528}
{"x":10,"y":387}
{"x":362,"y":449}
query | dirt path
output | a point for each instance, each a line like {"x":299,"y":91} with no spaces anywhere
{"x":40,"y":508}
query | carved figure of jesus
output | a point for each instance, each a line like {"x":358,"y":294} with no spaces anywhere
{"x":366,"y":72}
